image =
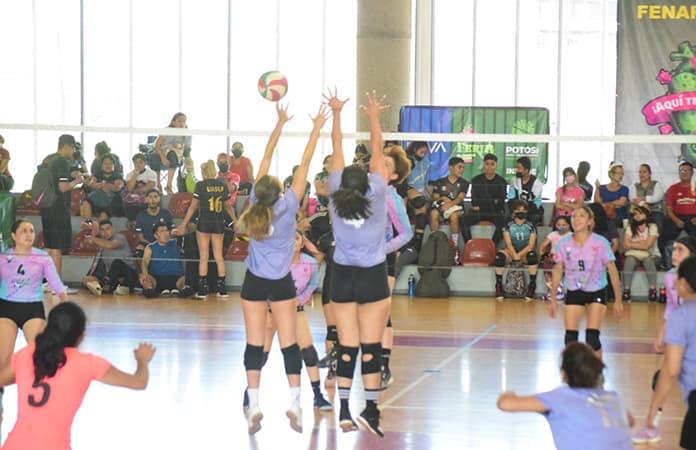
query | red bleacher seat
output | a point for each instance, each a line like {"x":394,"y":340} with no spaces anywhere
{"x":76,"y":198}
{"x":179,"y":204}
{"x":80,"y":245}
{"x":478,"y":252}
{"x":26,"y":206}
{"x":237,"y":251}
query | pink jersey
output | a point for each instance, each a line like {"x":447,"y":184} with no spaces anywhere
{"x":585,"y":267}
{"x":673,"y":300}
{"x":305,"y":274}
{"x":45,"y":413}
{"x":572,"y":194}
{"x":21,"y":276}
{"x":554,"y":237}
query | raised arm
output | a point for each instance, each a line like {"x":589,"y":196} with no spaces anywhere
{"x":336,"y":105}
{"x":283,"y":117}
{"x":373,"y":110}
{"x":299,"y":181}
{"x":137,"y":380}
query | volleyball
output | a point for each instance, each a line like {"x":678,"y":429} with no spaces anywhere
{"x":273,"y":85}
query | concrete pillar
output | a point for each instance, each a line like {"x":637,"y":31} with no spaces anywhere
{"x":384,"y":55}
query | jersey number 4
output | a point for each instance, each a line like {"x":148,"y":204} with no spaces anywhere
{"x":20,"y":269}
{"x":46,"y":388}
{"x":215,"y":204}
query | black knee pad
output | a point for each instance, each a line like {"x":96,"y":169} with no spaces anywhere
{"x":532,"y":259}
{"x":310,"y":356}
{"x":417,"y":202}
{"x":420,"y":220}
{"x":346,"y":369}
{"x":374,"y":364}
{"x":500,"y":259}
{"x":331,"y":333}
{"x":571,"y":336}
{"x":293,"y":359}
{"x":389,"y":324}
{"x":150,"y":293}
{"x":592,"y":339}
{"x":253,"y":357}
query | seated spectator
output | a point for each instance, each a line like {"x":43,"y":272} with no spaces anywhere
{"x":528,"y":188}
{"x":242,"y":166}
{"x":321,"y":186}
{"x":608,"y":230}
{"x":680,"y":206}
{"x":6,"y":180}
{"x":303,"y":211}
{"x":104,"y":192}
{"x":139,"y":182}
{"x":100,"y":150}
{"x":148,"y":218}
{"x":163,"y":270}
{"x":583,"y":171}
{"x":650,"y":194}
{"x":520,"y":237}
{"x":169,"y":151}
{"x":417,"y":193}
{"x":361,"y":157}
{"x":613,"y":196}
{"x":448,"y":201}
{"x":561,"y":227}
{"x":640,"y":244}
{"x":488,"y":194}
{"x":78,"y":165}
{"x":113,"y":269}
{"x":570,"y":196}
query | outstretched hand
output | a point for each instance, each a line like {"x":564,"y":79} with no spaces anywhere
{"x":144,"y":352}
{"x":333,"y":102}
{"x":282,"y":111}
{"x":320,"y":119}
{"x":374,"y":106}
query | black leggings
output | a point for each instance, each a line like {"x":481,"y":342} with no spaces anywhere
{"x":119,"y":271}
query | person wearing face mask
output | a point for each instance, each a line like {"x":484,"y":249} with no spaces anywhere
{"x":520,"y":244}
{"x":613,"y":196}
{"x":561,"y":228}
{"x":570,"y":196}
{"x":241,"y":165}
{"x":231,"y":180}
{"x":527,"y":187}
{"x":640,"y":243}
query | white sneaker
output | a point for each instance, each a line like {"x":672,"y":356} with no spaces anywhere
{"x":122,"y":290}
{"x":253,"y":416}
{"x":94,"y":287}
{"x":295,"y":416}
{"x":71,"y":291}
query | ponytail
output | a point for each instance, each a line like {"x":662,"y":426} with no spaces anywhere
{"x":351,"y":204}
{"x":64,"y":328}
{"x":256,"y":221}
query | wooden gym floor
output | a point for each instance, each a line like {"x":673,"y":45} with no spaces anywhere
{"x":451,"y":360}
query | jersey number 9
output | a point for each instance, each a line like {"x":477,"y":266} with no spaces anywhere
{"x":215,"y":204}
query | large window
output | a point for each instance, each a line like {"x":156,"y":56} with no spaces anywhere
{"x":145,"y":61}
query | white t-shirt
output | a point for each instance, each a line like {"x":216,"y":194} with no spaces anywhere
{"x":652,"y":230}
{"x":145,"y":177}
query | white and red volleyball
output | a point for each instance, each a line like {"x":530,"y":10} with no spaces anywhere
{"x":273,"y":85}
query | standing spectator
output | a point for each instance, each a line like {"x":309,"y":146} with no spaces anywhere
{"x":113,"y":269}
{"x":649,"y":193}
{"x":146,"y":220}
{"x":139,"y":182}
{"x":55,"y":220}
{"x":583,"y":171}
{"x":163,"y":272}
{"x":528,"y":188}
{"x":6,"y":180}
{"x":170,"y":151}
{"x":613,"y":196}
{"x":417,"y":193}
{"x":104,"y":191}
{"x":488,"y":194}
{"x":448,"y":201}
{"x":570,"y":196}
{"x":230,"y":179}
{"x":680,"y":205}
{"x":321,"y":186}
{"x":640,"y":243}
{"x":242,"y":166}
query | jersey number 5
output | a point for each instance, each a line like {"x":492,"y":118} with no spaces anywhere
{"x":44,"y":396}
{"x":215,"y":204}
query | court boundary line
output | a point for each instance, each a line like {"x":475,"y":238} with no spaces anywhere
{"x":437,"y":368}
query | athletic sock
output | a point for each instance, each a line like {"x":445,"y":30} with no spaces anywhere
{"x":253,"y":397}
{"x":295,"y":395}
{"x":316,"y":388}
{"x":371,"y":397}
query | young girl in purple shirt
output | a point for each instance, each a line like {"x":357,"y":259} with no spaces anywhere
{"x":582,"y":262}
{"x":270,"y":223}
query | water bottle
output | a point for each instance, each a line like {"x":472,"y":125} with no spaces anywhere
{"x":411,"y":286}
{"x":663,"y":294}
